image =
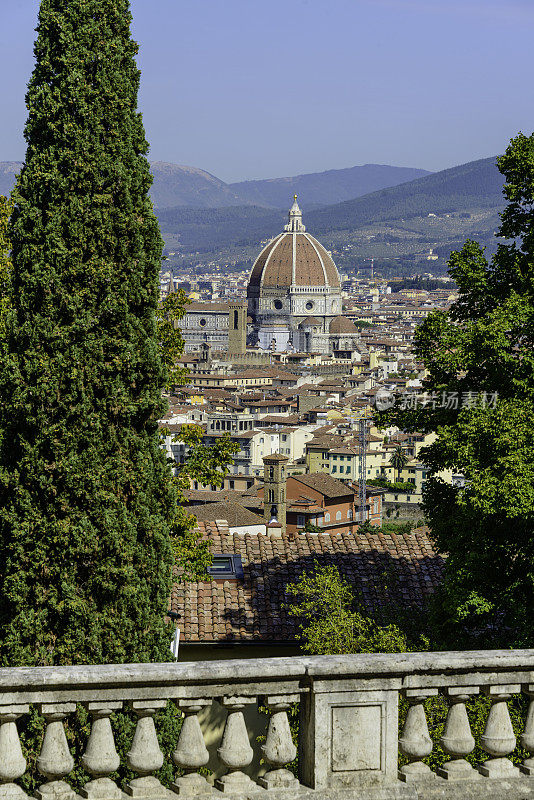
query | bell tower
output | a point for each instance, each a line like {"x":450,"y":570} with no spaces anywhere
{"x":237,"y":328}
{"x":274,"y":493}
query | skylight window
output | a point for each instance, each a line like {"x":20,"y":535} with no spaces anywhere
{"x":227,"y":566}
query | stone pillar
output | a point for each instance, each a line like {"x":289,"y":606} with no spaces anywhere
{"x":145,"y":755}
{"x":348,"y":739}
{"x":415,"y":742}
{"x":55,"y":760}
{"x":12,"y":761}
{"x":527,"y":737}
{"x":191,"y":751}
{"x":457,"y":740}
{"x":498,"y":739}
{"x":279,"y":749}
{"x":235,"y":751}
{"x":101,"y":758}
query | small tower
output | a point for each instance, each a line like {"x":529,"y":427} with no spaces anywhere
{"x":294,"y":224}
{"x":237,"y":328}
{"x":274,"y":493}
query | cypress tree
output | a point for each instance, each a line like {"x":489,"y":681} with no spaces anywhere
{"x":86,"y":496}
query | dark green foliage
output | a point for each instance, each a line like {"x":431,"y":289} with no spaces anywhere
{"x":6,"y":207}
{"x":170,"y":311}
{"x":482,"y":349}
{"x":86,"y":495}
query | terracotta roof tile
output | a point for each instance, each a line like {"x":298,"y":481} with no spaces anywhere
{"x":254,"y":609}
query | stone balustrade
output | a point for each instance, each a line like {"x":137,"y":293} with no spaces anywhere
{"x":349,"y":739}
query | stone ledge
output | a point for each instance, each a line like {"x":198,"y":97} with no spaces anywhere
{"x":486,"y":789}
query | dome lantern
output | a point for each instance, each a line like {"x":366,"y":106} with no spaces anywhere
{"x":295,"y":219}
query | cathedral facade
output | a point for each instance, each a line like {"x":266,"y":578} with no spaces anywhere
{"x":294,"y":296}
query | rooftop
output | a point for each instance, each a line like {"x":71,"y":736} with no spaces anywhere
{"x":254,"y":609}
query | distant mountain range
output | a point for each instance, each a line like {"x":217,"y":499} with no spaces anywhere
{"x":180,"y":186}
{"x":324,"y":188}
{"x":476,"y":185}
{"x":203,"y":217}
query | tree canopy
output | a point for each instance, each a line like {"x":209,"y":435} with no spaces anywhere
{"x":480,"y":401}
{"x":86,"y":495}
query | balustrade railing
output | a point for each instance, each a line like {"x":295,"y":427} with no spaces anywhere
{"x":349,"y":737}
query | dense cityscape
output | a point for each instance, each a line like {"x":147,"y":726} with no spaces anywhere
{"x":266,"y":443}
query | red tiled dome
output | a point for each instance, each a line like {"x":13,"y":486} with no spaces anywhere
{"x":294,"y":258}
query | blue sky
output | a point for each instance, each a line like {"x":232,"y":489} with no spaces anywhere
{"x":265,"y":88}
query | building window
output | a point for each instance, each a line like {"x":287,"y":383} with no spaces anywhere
{"x":202,"y":323}
{"x":338,"y":516}
{"x":271,"y":495}
{"x":301,"y":520}
{"x":226,"y":566}
{"x":349,"y":514}
{"x":278,"y":305}
{"x":327,"y":517}
{"x":334,"y":469}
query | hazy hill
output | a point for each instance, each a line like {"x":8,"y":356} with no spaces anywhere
{"x":182,"y":186}
{"x":477,"y":184}
{"x":324,"y":188}
{"x":8,"y":172}
{"x":396,"y":226}
{"x":176,"y":185}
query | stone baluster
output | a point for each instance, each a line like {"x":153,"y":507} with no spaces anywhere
{"x":12,"y":762}
{"x":498,"y":739}
{"x":527,"y":737}
{"x":279,"y":749}
{"x":145,"y":755}
{"x":101,"y":758}
{"x":457,"y":740}
{"x":55,"y":760}
{"x":415,"y":742}
{"x":191,"y":751}
{"x":235,"y":751}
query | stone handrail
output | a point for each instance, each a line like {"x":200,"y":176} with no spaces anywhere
{"x":348,"y":733}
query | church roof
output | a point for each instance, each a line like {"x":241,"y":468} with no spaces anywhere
{"x":343,"y":325}
{"x":294,"y":258}
{"x":311,"y":321}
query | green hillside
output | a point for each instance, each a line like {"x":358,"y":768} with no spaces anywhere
{"x":477,"y":184}
{"x":210,"y":229}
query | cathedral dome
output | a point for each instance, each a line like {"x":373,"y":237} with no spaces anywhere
{"x":343,"y":325}
{"x":294,"y":258}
